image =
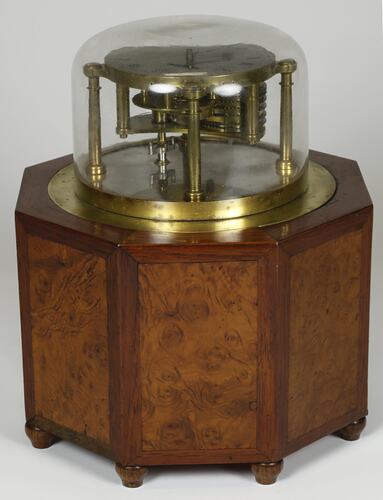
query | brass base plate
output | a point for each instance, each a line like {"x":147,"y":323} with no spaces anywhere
{"x":321,"y":187}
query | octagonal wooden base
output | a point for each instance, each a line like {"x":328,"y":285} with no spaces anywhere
{"x":226,"y":347}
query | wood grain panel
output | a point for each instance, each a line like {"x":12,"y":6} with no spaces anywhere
{"x":325,"y":284}
{"x":198,"y":331}
{"x":69,"y":337}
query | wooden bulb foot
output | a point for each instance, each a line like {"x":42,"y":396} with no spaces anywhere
{"x":267,"y":472}
{"x":131,"y":476}
{"x":352,"y":431}
{"x":39,"y":438}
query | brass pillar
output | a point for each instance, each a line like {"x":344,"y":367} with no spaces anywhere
{"x":285,"y":163}
{"x":162,"y":161}
{"x":194,"y":192}
{"x":123,"y":111}
{"x":251,"y":114}
{"x":144,"y":94}
{"x":95,"y":167}
{"x":159,"y":117}
{"x":168,"y":101}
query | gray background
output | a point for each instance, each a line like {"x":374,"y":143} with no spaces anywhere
{"x":342,"y":40}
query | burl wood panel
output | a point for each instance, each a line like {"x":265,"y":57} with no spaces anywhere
{"x":198,"y":331}
{"x":69,"y":337}
{"x":324,"y":333}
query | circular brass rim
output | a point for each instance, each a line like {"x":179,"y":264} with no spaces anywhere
{"x":133,"y":66}
{"x":143,"y":82}
{"x":186,"y":211}
{"x":321,"y":187}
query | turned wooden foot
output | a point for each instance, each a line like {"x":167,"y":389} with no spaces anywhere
{"x":39,"y":438}
{"x":352,"y":431}
{"x":131,"y":476}
{"x":267,"y":472}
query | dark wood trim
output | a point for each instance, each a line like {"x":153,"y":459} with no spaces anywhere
{"x":25,"y":316}
{"x":270,"y":360}
{"x":59,"y":234}
{"x":326,"y":429}
{"x":72,"y":436}
{"x":283,"y":344}
{"x":365,"y":310}
{"x":131,"y":347}
{"x":327,"y":232}
{"x":124,"y":362}
{"x":191,"y":457}
{"x":199,"y":253}
{"x":114,"y":332}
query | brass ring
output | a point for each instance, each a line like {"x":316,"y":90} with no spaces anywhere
{"x":321,"y":187}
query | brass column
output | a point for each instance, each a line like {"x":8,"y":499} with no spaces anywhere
{"x":95,"y":168}
{"x":285,"y":163}
{"x":122,"y":100}
{"x":194,"y":192}
{"x":251,"y":114}
{"x":159,"y":117}
{"x":145,"y":96}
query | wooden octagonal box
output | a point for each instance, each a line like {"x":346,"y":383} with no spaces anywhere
{"x":225,"y":347}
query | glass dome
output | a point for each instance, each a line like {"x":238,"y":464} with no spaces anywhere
{"x":170,"y":118}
